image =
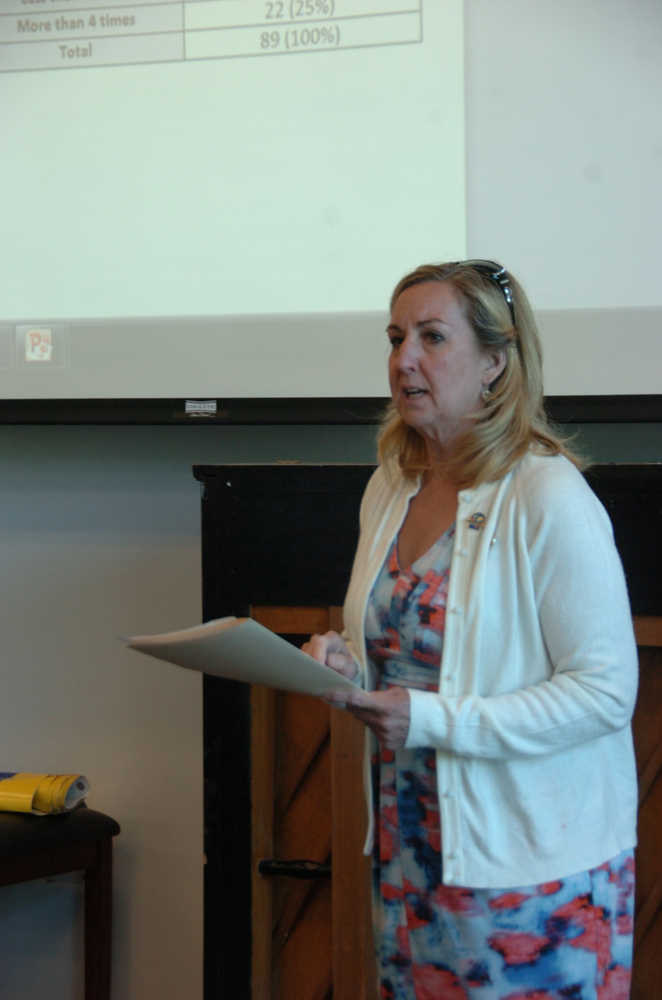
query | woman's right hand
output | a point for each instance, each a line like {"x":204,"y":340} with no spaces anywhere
{"x":332,"y":650}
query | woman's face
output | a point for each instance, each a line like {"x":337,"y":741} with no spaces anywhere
{"x":436,"y":367}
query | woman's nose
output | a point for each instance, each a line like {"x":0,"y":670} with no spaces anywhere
{"x":407,"y":354}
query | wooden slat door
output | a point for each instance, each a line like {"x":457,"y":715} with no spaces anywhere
{"x":647,"y":969}
{"x":311,"y":938}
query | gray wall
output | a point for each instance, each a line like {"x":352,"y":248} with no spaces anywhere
{"x":100,"y":537}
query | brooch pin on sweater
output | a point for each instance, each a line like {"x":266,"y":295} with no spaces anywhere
{"x":477,"y":521}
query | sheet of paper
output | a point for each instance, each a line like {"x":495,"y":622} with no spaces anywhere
{"x":242,"y":650}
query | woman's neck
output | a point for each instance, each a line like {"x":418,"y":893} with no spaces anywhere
{"x":437,"y":474}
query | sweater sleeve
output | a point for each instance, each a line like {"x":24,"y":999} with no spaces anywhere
{"x":583,"y":615}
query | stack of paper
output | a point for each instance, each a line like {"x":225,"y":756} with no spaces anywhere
{"x":241,"y":649}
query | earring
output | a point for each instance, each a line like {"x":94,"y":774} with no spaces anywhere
{"x":486,"y":394}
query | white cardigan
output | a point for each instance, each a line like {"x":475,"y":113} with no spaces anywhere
{"x":535,"y":764}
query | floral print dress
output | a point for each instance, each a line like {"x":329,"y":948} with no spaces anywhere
{"x":570,"y":939}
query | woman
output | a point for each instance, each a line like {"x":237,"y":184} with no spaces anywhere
{"x":487,"y":622}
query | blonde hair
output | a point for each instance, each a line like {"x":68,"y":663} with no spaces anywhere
{"x":513,"y":419}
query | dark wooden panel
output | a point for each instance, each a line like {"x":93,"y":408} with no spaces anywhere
{"x":632,"y":495}
{"x":312,"y":501}
{"x":271,"y":535}
{"x":296,"y":526}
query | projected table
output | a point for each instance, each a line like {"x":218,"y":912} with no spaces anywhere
{"x":55,"y":34}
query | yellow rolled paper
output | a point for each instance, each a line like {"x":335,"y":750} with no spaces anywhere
{"x":41,"y":793}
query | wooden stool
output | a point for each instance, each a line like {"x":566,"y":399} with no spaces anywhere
{"x":40,"y":846}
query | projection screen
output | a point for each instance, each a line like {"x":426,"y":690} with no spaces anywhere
{"x":215,"y":197}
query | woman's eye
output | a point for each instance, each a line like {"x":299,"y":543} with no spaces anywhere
{"x":395,"y":342}
{"x":433,"y":336}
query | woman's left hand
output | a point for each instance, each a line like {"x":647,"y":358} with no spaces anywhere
{"x":385,"y":712}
